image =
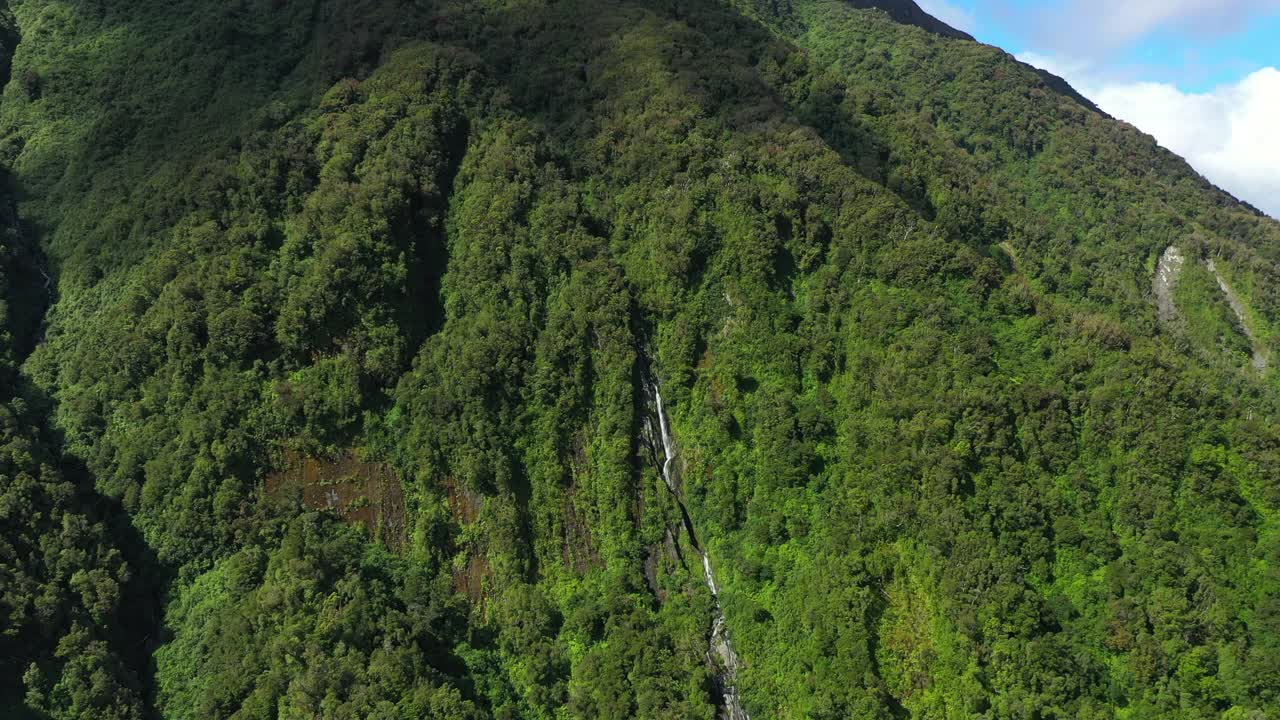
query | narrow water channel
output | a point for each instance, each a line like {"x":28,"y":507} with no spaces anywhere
{"x":722,"y":653}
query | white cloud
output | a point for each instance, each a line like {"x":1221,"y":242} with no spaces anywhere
{"x":1229,"y":134}
{"x":1103,"y":25}
{"x":951,"y":14}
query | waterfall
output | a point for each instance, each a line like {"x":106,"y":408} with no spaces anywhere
{"x":721,"y":644}
{"x":668,"y":452}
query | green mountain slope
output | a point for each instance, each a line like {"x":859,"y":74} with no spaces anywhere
{"x":70,"y":603}
{"x":564,"y":359}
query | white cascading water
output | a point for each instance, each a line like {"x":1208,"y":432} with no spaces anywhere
{"x":668,"y":449}
{"x":721,"y":644}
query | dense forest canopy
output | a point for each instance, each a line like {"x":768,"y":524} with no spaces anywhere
{"x":625,"y":358}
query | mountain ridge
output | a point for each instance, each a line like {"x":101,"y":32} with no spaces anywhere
{"x":908,"y":12}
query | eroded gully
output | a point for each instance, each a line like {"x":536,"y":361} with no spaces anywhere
{"x":721,"y":652}
{"x":1261,"y":356}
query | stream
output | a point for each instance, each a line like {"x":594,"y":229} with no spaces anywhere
{"x":721,"y":652}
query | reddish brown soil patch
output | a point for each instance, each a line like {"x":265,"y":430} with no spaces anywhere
{"x":364,"y":493}
{"x":464,"y":505}
{"x":578,"y":549}
{"x":470,"y":576}
{"x":470,"y":580}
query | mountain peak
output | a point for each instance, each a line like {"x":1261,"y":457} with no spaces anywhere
{"x":909,"y":13}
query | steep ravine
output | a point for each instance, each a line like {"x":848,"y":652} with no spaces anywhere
{"x":721,"y":652}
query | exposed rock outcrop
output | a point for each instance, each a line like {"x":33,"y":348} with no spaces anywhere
{"x":1166,"y":280}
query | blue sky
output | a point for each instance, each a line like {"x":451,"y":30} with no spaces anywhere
{"x":1202,"y":76}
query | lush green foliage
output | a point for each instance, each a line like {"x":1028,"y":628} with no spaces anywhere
{"x":895,"y":287}
{"x":62,"y":578}
{"x":319,"y":624}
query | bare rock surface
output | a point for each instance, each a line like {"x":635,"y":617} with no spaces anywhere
{"x":1166,"y":280}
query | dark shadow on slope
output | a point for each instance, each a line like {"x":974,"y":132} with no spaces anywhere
{"x":226,"y":73}
{"x":163,"y":87}
{"x":422,"y":314}
{"x":139,"y":628}
{"x":224,"y":69}
{"x":29,"y":282}
{"x":134,"y":629}
{"x":9,"y":39}
{"x":538,"y":55}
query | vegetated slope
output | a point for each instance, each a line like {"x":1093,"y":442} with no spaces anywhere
{"x":895,"y":288}
{"x":64,"y":634}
